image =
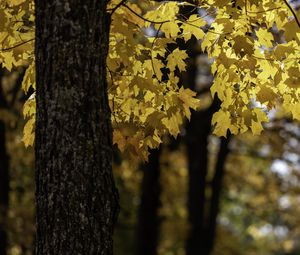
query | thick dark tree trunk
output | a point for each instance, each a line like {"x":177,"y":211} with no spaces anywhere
{"x":4,"y":177}
{"x":148,"y":218}
{"x":216,"y":187}
{"x":76,"y":198}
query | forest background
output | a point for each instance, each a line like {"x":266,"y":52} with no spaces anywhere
{"x":245,"y":189}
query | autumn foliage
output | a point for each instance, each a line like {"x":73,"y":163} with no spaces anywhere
{"x":254,"y":46}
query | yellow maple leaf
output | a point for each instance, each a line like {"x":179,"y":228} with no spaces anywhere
{"x":187,"y":96}
{"x":170,"y":29}
{"x":192,"y":27}
{"x":265,"y":37}
{"x":222,"y":122}
{"x":176,"y":58}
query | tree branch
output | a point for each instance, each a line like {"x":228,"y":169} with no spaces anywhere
{"x":293,"y":12}
{"x":117,"y":6}
{"x":16,"y":45}
{"x":145,"y":19}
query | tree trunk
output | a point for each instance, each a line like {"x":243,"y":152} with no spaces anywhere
{"x":76,"y":197}
{"x":197,"y":134}
{"x":4,"y":177}
{"x":216,"y":194}
{"x":148,"y":218}
{"x":198,"y":131}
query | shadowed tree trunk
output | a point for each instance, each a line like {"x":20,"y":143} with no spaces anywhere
{"x":4,"y":177}
{"x":76,"y":198}
{"x":203,"y":211}
{"x":198,"y":131}
{"x":148,"y":218}
{"x":202,"y":218}
{"x":216,"y":187}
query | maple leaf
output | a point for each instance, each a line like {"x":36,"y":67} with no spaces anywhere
{"x":171,"y":29}
{"x":265,"y":37}
{"x":222,"y":122}
{"x":192,"y":27}
{"x":176,"y":58}
{"x":245,"y":67}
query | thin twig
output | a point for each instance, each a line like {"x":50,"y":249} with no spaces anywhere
{"x":257,"y":12}
{"x":145,"y":19}
{"x":117,"y":6}
{"x":15,"y":46}
{"x":152,"y":46}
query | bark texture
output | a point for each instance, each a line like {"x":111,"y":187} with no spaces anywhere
{"x":148,"y":217}
{"x":76,"y":198}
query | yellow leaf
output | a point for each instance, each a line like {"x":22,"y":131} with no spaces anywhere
{"x":264,"y":37}
{"x":192,"y":27}
{"x":256,"y":122}
{"x":176,"y":58}
{"x":29,"y":78}
{"x":170,"y":29}
{"x":16,"y":2}
{"x":222,"y":122}
{"x":187,"y":96}
{"x":29,"y":108}
{"x":8,"y":60}
{"x":28,"y":132}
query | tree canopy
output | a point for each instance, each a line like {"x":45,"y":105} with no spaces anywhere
{"x":254,"y":46}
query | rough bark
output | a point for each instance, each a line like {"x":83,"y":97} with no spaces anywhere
{"x":148,"y":218}
{"x":76,"y":198}
{"x":4,"y":178}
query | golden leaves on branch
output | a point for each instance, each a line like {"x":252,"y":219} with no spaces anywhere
{"x":254,"y":46}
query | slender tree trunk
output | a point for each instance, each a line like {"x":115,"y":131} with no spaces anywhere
{"x":203,"y":211}
{"x":216,"y":194}
{"x":198,"y":131}
{"x":4,"y":178}
{"x":76,"y":198}
{"x":148,"y":218}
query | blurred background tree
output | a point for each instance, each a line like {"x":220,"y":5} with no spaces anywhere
{"x":16,"y":170}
